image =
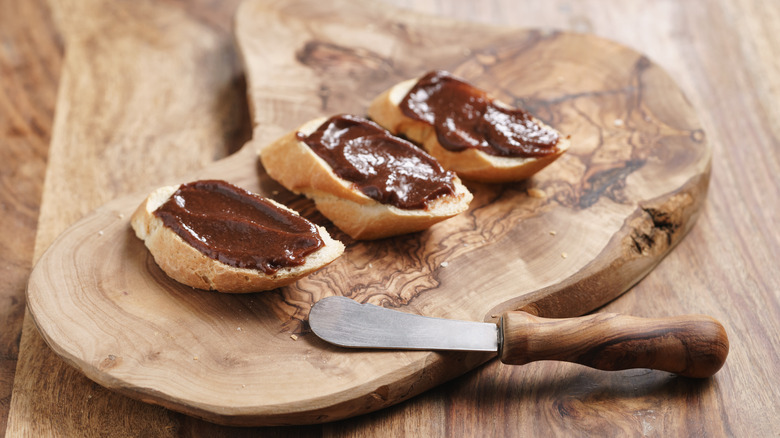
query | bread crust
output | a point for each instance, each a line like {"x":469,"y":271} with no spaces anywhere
{"x":187,"y":265}
{"x":299,"y":169}
{"x":471,"y":164}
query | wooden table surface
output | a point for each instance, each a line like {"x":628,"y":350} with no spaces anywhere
{"x":722,"y":53}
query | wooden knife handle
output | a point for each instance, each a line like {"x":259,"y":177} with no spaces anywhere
{"x":691,"y":346}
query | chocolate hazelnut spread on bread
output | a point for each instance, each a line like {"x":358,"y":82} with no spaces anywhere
{"x":238,"y":228}
{"x":385,"y":168}
{"x":464,"y":116}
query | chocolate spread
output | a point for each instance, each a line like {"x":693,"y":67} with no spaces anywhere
{"x":466,"y":117}
{"x":238,"y":228}
{"x":385,"y":168}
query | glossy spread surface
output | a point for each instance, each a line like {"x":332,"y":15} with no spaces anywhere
{"x":383,"y":167}
{"x":238,"y":228}
{"x":464,"y":116}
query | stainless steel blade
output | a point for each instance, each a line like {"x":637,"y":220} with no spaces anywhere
{"x":345,"y":322}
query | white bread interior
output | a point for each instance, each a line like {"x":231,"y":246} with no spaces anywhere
{"x":299,"y":169}
{"x":470,"y":164}
{"x":187,"y":265}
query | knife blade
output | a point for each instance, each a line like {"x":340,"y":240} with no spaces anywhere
{"x":691,"y":345}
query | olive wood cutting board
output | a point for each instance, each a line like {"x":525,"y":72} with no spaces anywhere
{"x":563,"y":243}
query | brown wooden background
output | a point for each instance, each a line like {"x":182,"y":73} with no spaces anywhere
{"x":722,"y":53}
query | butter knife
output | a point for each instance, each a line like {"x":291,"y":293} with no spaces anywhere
{"x":691,"y":346}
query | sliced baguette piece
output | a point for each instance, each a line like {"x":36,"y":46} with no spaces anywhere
{"x":299,"y":169}
{"x":187,"y":265}
{"x":470,"y":164}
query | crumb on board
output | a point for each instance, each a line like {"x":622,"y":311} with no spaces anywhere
{"x":553,"y":232}
{"x":195,"y":358}
{"x":121,"y":215}
{"x":238,"y":329}
{"x":444,"y":264}
{"x":100,"y":233}
{"x":294,"y":337}
{"x":564,"y":255}
{"x":618,"y":122}
{"x":536,"y":193}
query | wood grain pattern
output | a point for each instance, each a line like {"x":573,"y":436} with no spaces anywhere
{"x":687,"y":345}
{"x":30,"y":57}
{"x":103,"y":50}
{"x":621,"y":198}
{"x":725,"y":267}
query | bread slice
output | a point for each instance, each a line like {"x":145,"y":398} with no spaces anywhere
{"x":299,"y":169}
{"x":470,"y":164}
{"x":189,"y":266}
